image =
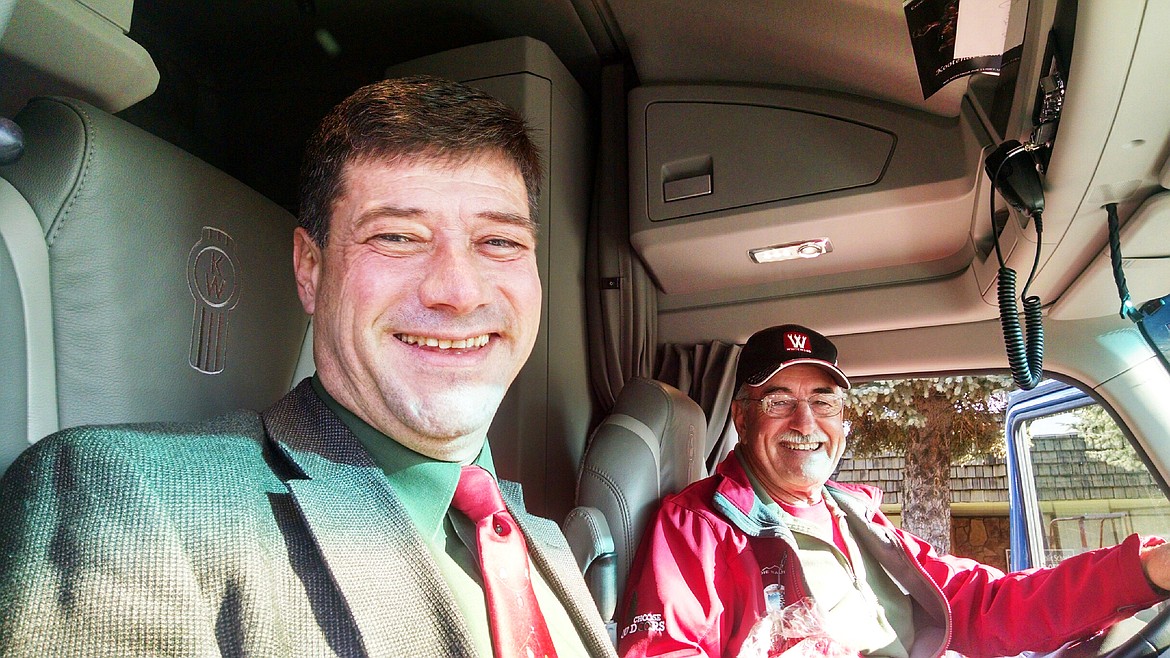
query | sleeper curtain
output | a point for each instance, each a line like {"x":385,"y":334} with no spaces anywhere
{"x":706,"y":373}
{"x":622,"y":301}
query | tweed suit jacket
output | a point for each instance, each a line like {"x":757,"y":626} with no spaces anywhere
{"x":250,"y":534}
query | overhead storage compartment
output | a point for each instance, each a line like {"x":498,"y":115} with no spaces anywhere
{"x":719,"y":171}
{"x":764,"y":154}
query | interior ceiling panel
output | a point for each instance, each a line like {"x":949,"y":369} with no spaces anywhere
{"x":243,"y":83}
{"x":795,"y":42}
{"x":378,"y":32}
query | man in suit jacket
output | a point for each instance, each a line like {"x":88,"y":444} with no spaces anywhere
{"x":324,"y":525}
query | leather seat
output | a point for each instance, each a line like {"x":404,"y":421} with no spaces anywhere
{"x":137,"y":282}
{"x":649,"y":446}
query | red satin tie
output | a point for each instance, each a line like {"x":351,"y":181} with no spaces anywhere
{"x":518,"y":628}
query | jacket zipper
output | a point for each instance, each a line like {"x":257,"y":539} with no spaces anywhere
{"x":934,"y":588}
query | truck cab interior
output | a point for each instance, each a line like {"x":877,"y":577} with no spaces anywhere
{"x":712,"y":169}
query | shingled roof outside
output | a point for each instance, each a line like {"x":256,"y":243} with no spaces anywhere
{"x":1063,"y":466}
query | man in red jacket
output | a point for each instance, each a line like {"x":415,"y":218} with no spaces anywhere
{"x":769,"y":557}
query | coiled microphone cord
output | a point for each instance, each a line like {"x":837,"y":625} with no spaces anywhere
{"x":1024,"y":346}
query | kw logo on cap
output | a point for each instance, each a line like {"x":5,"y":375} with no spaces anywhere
{"x":796,"y":342}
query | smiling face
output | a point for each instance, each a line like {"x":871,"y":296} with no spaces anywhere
{"x":792,"y":457}
{"x":426,"y":299}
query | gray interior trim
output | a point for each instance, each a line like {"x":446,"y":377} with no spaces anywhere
{"x":101,"y":64}
{"x":306,"y":366}
{"x":642,"y":432}
{"x":5,"y":14}
{"x":588,"y":534}
{"x":21,"y":232}
{"x":538,"y":432}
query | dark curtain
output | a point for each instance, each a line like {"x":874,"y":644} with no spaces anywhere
{"x":706,"y":372}
{"x":622,"y":300}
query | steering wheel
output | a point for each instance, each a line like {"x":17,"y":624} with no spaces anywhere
{"x":1151,"y":640}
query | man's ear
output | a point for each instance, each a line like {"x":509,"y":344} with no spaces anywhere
{"x":737,"y":417}
{"x":307,"y":262}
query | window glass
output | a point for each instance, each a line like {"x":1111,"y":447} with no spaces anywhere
{"x":935,"y":447}
{"x":1153,"y":320}
{"x":1080,"y":484}
{"x":1091,"y":488}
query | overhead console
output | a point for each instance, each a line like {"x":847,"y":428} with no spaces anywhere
{"x":717,"y":173}
{"x":766,"y":153}
{"x":1111,"y":148}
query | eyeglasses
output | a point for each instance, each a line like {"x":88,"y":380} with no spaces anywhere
{"x":822,"y":405}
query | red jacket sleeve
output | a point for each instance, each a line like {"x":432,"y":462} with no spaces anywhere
{"x":681,"y":599}
{"x":1038,"y":609}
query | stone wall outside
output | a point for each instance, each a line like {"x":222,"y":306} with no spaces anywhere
{"x":985,"y":539}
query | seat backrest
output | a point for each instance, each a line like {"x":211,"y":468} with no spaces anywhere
{"x":649,"y":446}
{"x":137,"y":282}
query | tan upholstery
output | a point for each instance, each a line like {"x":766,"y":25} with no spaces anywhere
{"x":138,"y":283}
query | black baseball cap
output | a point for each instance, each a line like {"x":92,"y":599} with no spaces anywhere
{"x":771,"y":350}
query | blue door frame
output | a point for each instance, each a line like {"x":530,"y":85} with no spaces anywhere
{"x":1051,"y":397}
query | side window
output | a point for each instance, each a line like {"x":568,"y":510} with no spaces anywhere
{"x":1081,"y":484}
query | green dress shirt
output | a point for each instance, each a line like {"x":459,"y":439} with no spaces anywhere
{"x":426,"y":486}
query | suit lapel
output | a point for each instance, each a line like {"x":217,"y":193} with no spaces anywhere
{"x":377,"y":559}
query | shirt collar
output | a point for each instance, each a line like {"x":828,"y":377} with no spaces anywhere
{"x":425,"y":486}
{"x":763,"y":498}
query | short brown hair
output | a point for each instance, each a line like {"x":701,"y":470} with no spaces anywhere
{"x":405,"y":118}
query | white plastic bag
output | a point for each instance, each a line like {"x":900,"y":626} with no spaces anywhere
{"x":795,"y":631}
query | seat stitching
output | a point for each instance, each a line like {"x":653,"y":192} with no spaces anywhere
{"x":623,"y":509}
{"x":90,"y":133}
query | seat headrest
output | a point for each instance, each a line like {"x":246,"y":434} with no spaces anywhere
{"x":650,"y":445}
{"x":171,"y":289}
{"x":676,"y":421}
